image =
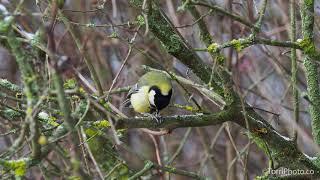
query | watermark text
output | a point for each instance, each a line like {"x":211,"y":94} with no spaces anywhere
{"x":286,"y":171}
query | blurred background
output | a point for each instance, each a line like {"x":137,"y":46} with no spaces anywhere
{"x":106,"y":29}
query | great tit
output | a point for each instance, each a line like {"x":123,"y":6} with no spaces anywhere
{"x":151,"y":93}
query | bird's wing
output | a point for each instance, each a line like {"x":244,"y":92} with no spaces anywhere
{"x":134,"y":89}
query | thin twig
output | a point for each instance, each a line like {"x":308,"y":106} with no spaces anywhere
{"x":182,"y":143}
{"x":118,"y":73}
{"x":86,"y":145}
{"x":224,"y":12}
{"x":294,"y":69}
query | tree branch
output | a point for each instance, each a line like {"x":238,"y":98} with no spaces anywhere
{"x":242,"y":43}
{"x":307,"y":12}
{"x":173,"y":122}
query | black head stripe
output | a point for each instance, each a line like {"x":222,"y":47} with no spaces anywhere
{"x":155,"y":89}
{"x":160,"y":100}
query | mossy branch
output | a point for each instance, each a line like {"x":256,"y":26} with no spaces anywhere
{"x":307,"y":12}
{"x":30,"y":90}
{"x":282,"y":149}
{"x":173,"y":122}
{"x":305,"y":45}
{"x":242,"y":43}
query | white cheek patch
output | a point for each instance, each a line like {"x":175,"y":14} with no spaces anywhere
{"x":151,"y":95}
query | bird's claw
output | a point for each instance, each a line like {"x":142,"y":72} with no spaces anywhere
{"x":158,"y":119}
{"x":155,"y":117}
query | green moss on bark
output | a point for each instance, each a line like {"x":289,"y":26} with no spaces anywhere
{"x":307,"y":11}
{"x":212,"y":48}
{"x":18,"y":167}
{"x":314,"y":95}
{"x":308,"y":46}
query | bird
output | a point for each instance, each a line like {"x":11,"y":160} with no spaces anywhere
{"x":150,"y":94}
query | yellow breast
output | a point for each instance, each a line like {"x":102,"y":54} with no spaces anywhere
{"x":140,"y":100}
